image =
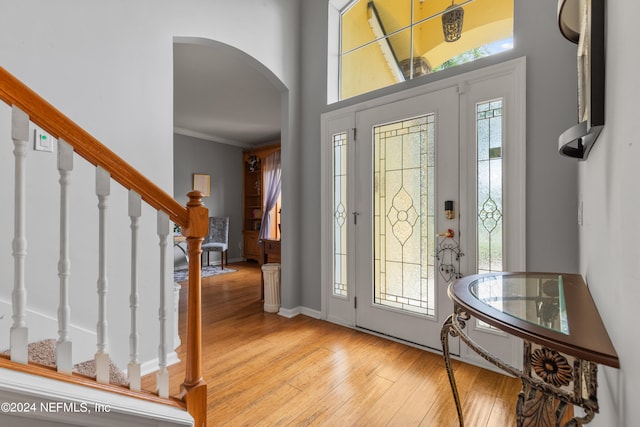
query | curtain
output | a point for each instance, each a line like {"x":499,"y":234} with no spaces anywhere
{"x":272,"y":175}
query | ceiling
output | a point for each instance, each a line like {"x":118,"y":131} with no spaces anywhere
{"x":221,"y":95}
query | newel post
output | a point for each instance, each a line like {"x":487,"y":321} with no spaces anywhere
{"x":194,"y":388}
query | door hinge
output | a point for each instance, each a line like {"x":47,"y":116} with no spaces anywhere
{"x":353,"y":134}
{"x":355,"y":302}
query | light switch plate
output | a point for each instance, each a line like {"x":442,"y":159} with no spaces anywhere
{"x":42,"y":141}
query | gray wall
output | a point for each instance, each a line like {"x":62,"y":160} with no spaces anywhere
{"x":609,"y":236}
{"x":552,"y":231}
{"x":223,"y":163}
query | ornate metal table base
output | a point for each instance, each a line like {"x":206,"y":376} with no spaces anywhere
{"x":550,"y":380}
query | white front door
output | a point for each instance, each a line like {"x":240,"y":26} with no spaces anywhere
{"x":406,"y":168}
{"x":390,"y":167}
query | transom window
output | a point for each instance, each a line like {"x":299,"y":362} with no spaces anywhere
{"x":384,"y":42}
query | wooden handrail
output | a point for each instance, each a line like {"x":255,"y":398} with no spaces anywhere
{"x":43,"y":114}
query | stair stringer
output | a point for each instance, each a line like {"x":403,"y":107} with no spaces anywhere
{"x":35,"y":401}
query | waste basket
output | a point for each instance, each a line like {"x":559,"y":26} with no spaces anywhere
{"x":271,"y":276}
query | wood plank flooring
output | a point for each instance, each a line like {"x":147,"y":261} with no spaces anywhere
{"x":265,"y":370}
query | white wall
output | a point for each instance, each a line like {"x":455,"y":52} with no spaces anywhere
{"x":108,"y":66}
{"x":609,"y":251}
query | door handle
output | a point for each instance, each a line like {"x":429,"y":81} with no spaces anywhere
{"x":355,"y":217}
{"x":449,"y":234}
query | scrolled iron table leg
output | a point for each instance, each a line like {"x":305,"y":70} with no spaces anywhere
{"x":449,"y":329}
{"x":539,"y":404}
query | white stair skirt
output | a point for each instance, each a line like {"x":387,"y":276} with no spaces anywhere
{"x":52,"y":402}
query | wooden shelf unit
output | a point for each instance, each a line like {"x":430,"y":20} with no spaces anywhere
{"x":253,"y":199}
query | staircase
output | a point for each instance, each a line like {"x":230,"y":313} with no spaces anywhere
{"x":17,"y":372}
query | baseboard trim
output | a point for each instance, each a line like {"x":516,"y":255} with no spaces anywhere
{"x":290,"y":313}
{"x":229,"y":261}
{"x":310,"y":312}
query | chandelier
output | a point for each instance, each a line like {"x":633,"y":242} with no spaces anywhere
{"x":452,"y":23}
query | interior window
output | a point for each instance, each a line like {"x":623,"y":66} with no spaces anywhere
{"x":383,"y":42}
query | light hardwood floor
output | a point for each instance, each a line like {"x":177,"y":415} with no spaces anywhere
{"x":266,"y":370}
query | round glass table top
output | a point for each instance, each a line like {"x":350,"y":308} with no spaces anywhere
{"x":552,"y":309}
{"x":537,"y":300}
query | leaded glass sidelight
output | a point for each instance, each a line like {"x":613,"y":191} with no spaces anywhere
{"x":404,"y":169}
{"x":340,"y":214}
{"x":489,"y":191}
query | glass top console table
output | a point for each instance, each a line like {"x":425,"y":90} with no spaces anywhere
{"x":563,"y":334}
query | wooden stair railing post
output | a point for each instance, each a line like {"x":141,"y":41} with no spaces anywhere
{"x":194,"y":388}
{"x":19,"y":333}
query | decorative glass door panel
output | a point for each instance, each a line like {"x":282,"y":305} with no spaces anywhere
{"x":489,"y":185}
{"x":406,"y":166}
{"x":404,"y":188}
{"x":340,"y":204}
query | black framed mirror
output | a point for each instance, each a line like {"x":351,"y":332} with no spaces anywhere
{"x":582,"y":22}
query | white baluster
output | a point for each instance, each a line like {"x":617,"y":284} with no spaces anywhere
{"x":63,"y":346}
{"x":133,"y":369}
{"x":176,"y":318}
{"x":103,"y":181}
{"x":162,"y":376}
{"x":19,"y":332}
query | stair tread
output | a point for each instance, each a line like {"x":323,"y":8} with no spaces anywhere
{"x":43,"y":352}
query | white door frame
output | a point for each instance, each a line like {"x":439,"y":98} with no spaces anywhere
{"x":515,"y":152}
